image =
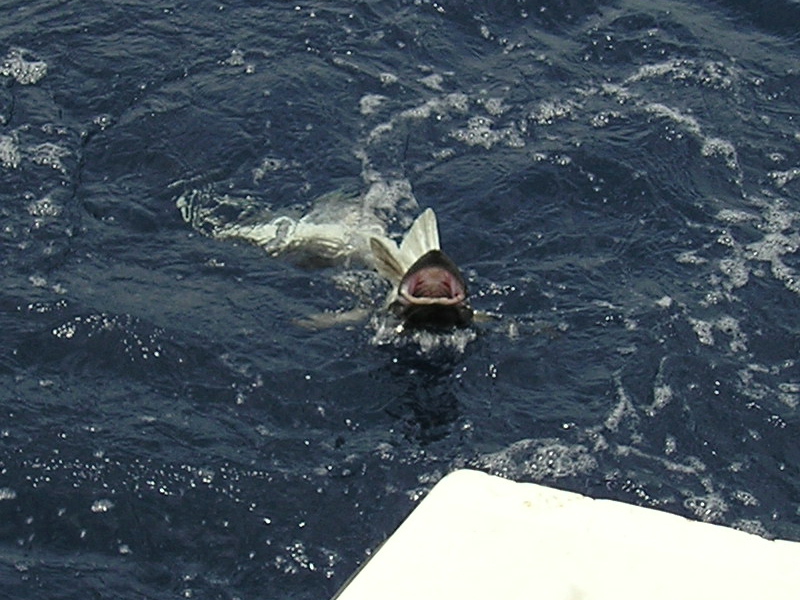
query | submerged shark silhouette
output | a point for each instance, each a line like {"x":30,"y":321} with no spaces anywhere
{"x":429,"y":290}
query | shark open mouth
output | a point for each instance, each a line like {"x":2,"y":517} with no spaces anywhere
{"x":432,"y":285}
{"x":432,"y":294}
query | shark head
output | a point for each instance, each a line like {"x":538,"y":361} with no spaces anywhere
{"x":428,"y":290}
{"x":433,"y":294}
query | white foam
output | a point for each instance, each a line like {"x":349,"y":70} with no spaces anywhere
{"x":713,"y":146}
{"x":103,"y":121}
{"x":736,"y":270}
{"x":444,"y":105}
{"x":604,"y":118}
{"x":24,"y":70}
{"x":622,"y":409}
{"x":777,"y":222}
{"x":781,"y":178}
{"x":745,"y":498}
{"x":270,"y":164}
{"x":361,"y":283}
{"x":662,"y":396}
{"x":236,"y":58}
{"x":456,"y":340}
{"x":49,"y":155}
{"x":690,"y":466}
{"x":539,"y":459}
{"x":44,"y":207}
{"x":495,"y":106}
{"x":433,"y":81}
{"x":664,"y":302}
{"x":370,"y":103}
{"x":734,"y":216}
{"x":789,"y":394}
{"x":690,"y":258}
{"x":704,"y":331}
{"x":337,"y":228}
{"x":670,"y":445}
{"x":449,"y":103}
{"x":751,"y":526}
{"x":10,"y":155}
{"x":480,"y":132}
{"x":725,"y":324}
{"x":386,"y":197}
{"x":389,"y":332}
{"x":771,"y":248}
{"x":710,"y":508}
{"x":713,"y":74}
{"x":550,"y":111}
{"x":730,"y":326}
{"x":710,"y":146}
{"x":687,"y":121}
{"x":102,"y":505}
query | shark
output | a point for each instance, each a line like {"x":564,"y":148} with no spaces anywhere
{"x":428,"y":290}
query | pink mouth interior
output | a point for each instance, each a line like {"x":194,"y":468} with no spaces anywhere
{"x":433,"y":284}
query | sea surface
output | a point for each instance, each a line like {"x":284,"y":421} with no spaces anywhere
{"x":618,"y":179}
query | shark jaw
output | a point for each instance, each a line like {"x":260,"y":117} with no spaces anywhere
{"x":433,"y":294}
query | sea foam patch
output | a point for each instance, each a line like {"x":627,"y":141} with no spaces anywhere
{"x":20,"y":65}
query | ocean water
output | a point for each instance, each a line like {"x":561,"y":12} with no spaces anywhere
{"x":619,"y":180}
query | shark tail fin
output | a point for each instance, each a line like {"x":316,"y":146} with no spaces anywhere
{"x":393,"y":262}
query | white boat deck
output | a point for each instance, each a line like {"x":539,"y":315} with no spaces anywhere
{"x":476,"y":536}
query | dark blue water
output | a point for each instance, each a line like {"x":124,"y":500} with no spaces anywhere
{"x":619,"y":180}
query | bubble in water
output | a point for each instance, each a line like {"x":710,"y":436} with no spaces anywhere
{"x":746,"y":498}
{"x":44,"y":207}
{"x":103,"y":121}
{"x":102,"y":505}
{"x":709,"y":508}
{"x":7,"y":494}
{"x":236,"y":58}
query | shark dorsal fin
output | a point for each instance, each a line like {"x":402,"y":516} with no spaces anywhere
{"x":421,"y":238}
{"x":392,"y":261}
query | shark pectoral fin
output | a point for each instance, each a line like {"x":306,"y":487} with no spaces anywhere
{"x":386,"y":261}
{"x":326,"y":320}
